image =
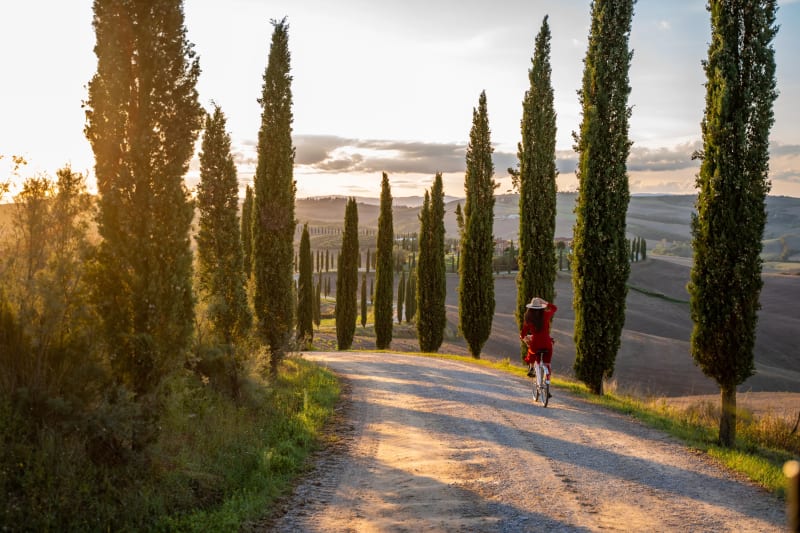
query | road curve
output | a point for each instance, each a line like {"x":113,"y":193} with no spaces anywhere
{"x":436,"y":445}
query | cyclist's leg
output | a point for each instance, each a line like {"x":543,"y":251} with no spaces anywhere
{"x":539,"y":367}
{"x":547,"y":357}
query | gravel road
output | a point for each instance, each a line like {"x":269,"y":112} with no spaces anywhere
{"x":434,"y":445}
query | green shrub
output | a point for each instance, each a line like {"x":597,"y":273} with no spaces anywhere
{"x":213,"y":464}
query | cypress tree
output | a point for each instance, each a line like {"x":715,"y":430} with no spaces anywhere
{"x":600,"y":265}
{"x":142,"y":121}
{"x":384,"y":274}
{"x":431,"y":289}
{"x":411,"y":295}
{"x":219,"y":253}
{"x":363,"y":300}
{"x":318,"y":303}
{"x":305,"y":292}
{"x":643,"y":249}
{"x":273,"y":203}
{"x":476,"y":287}
{"x":401,"y":296}
{"x":247,"y":232}
{"x":537,"y":179}
{"x":347,"y":279}
{"x":733,"y":182}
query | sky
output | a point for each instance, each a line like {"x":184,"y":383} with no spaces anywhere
{"x":391,"y":86}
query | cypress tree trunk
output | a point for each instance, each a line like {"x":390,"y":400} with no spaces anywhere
{"x":305,"y":292}
{"x":537,"y":183}
{"x":600,"y":250}
{"x":143,"y":118}
{"x":476,"y":287}
{"x":273,"y":203}
{"x":727,"y":420}
{"x":347,"y":279}
{"x":384,"y":273}
{"x":728,"y":227}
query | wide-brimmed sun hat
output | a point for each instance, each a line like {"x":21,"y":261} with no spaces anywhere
{"x":537,"y":303}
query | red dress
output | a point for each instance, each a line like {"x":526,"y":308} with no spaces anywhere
{"x":540,"y":340}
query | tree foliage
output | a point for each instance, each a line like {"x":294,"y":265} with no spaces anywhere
{"x":47,"y":320}
{"x":431,"y":288}
{"x":143,"y":118}
{"x":411,"y":295}
{"x":273,"y":203}
{"x":537,"y":182}
{"x":600,"y":251}
{"x":384,"y":271}
{"x":476,"y":288}
{"x":733,"y":182}
{"x":347,"y":279}
{"x":247,"y":232}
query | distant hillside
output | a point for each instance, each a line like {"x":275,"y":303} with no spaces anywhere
{"x":658,"y":218}
{"x":654,"y":217}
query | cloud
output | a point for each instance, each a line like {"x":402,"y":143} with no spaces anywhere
{"x":780,"y":150}
{"x":325,"y":160}
{"x":666,"y":158}
{"x":327,"y":153}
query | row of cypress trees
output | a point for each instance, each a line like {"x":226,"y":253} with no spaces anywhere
{"x":730,"y":210}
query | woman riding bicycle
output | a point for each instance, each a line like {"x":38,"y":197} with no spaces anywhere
{"x":536,"y":333}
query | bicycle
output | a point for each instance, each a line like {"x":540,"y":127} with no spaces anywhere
{"x":540,"y":389}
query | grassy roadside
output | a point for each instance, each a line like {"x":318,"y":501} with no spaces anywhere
{"x":764,"y":444}
{"x":253,"y":454}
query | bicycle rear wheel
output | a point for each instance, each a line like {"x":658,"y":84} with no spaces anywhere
{"x":544,"y":394}
{"x":534,"y":390}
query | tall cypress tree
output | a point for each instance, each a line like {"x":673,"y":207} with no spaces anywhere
{"x":247,"y":231}
{"x":347,"y":279}
{"x":401,"y":296}
{"x":384,"y":273}
{"x":733,"y":183}
{"x":273,"y":203}
{"x":431,"y":289}
{"x":305,"y":291}
{"x":537,"y":182}
{"x":476,"y":287}
{"x":600,"y":265}
{"x":318,"y":303}
{"x":363,"y":300}
{"x":143,"y":118}
{"x":219,"y":253}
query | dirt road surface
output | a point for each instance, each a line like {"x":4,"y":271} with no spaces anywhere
{"x":436,"y":445}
